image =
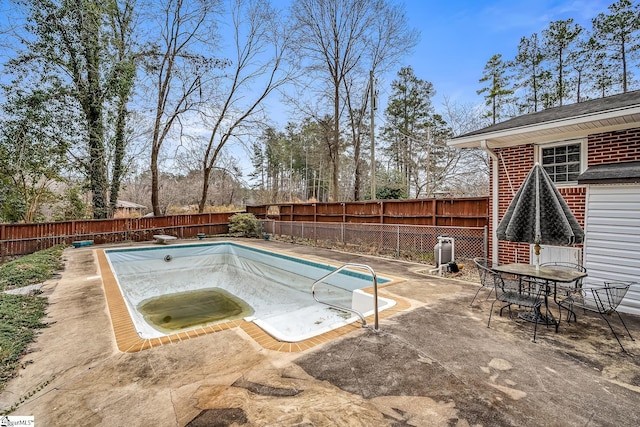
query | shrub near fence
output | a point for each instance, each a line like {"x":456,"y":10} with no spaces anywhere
{"x":407,"y":241}
{"x":21,"y":239}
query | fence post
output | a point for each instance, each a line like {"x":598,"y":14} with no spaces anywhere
{"x":398,"y":241}
{"x":434,"y":209}
{"x":73,"y":231}
{"x":342,"y":233}
{"x":3,"y":235}
{"x":315,"y":232}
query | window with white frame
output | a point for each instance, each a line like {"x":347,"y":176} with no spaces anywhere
{"x":563,"y":162}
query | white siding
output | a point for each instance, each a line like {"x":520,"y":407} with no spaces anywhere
{"x":556,"y":254}
{"x":612,"y":244}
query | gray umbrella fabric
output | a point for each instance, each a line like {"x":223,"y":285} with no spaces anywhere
{"x":539,"y":215}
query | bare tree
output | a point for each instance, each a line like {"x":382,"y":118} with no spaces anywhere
{"x":470,"y":177}
{"x":339,"y":38}
{"x":178,"y":68}
{"x":389,"y":39}
{"x":327,"y":33}
{"x":257,"y":70}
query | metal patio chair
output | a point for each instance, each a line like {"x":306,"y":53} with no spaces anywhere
{"x":512,"y":292}
{"x":567,"y":288}
{"x":603,"y":300}
{"x":486,"y":278}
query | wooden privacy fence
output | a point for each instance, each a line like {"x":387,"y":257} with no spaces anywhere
{"x":21,"y":239}
{"x":463,"y":212}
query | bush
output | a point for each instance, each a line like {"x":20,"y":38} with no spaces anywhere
{"x":245,"y":223}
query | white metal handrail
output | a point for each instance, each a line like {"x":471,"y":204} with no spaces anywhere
{"x":375,"y":293}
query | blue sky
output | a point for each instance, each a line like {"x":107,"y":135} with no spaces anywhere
{"x":459,"y":36}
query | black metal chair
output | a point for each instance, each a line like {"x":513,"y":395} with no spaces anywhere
{"x":486,"y":278}
{"x":603,"y":300}
{"x":566,"y":288}
{"x":511,"y":292}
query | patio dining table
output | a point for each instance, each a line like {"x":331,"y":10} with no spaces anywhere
{"x":550,"y":277}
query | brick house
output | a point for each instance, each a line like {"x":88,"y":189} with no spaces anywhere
{"x":592,"y":152}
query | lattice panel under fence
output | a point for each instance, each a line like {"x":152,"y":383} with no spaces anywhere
{"x":407,"y":241}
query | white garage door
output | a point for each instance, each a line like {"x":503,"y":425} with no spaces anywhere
{"x":612,"y":244}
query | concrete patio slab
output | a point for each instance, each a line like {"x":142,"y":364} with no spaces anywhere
{"x":434,"y":364}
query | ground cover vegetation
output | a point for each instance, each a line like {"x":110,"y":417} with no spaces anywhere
{"x":167,"y":104}
{"x":31,"y":269}
{"x":21,"y":314}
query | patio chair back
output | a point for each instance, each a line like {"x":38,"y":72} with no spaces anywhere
{"x":603,"y":300}
{"x":487,"y":278}
{"x":609,"y":297}
{"x":516,"y":293}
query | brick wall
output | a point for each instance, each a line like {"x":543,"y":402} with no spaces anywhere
{"x":614,"y":147}
{"x":515,"y":162}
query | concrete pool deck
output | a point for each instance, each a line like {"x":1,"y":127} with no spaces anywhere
{"x":435,"y":364}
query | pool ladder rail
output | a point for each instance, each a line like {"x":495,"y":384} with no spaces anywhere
{"x":375,"y":293}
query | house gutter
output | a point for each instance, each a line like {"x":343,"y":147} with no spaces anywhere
{"x":494,"y":199}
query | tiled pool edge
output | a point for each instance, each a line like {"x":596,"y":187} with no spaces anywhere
{"x":128,"y":340}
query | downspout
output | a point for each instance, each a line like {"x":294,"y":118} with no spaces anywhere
{"x":494,"y":200}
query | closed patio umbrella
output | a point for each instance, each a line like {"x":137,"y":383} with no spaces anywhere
{"x":539,"y":215}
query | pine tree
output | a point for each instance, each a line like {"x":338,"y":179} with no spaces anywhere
{"x":559,"y":40}
{"x":528,"y":65}
{"x":619,"y":34}
{"x":497,"y":92}
{"x":408,"y":114}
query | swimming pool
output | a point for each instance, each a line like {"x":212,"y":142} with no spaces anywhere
{"x":276,"y":287}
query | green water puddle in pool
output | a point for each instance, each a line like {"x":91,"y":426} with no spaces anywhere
{"x":175,"y":312}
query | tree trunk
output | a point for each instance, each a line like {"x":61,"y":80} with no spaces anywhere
{"x":357,"y":176}
{"x":118,"y":157}
{"x":206,"y":174}
{"x":97,"y":169}
{"x":335,"y":158}
{"x":623,"y":54}
{"x":92,"y":105}
{"x":155,"y":202}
